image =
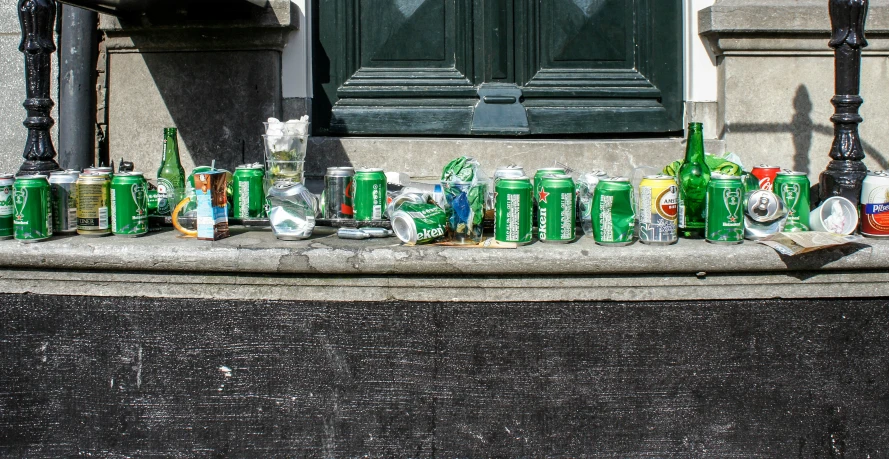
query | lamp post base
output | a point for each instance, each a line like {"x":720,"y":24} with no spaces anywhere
{"x":842,"y":178}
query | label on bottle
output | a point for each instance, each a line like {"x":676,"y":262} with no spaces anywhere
{"x":680,"y":217}
{"x":165,"y":196}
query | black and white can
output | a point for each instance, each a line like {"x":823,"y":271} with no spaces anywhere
{"x":64,"y":201}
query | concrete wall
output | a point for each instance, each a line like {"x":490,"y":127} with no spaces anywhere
{"x":776,"y":81}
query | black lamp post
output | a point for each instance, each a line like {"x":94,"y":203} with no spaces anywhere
{"x":846,"y":172}
{"x":37,"y":19}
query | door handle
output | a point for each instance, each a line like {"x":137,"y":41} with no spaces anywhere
{"x":500,"y":100}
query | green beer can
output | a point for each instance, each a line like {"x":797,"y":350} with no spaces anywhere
{"x":613,"y":212}
{"x":419,"y":223}
{"x":793,"y":188}
{"x":370,"y":194}
{"x":32,"y":202}
{"x":540,"y":174}
{"x":556,"y":201}
{"x":512,"y":210}
{"x":129,"y":204}
{"x":248,"y":195}
{"x":724,"y":212}
{"x":7,"y":208}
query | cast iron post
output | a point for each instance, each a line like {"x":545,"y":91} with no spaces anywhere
{"x":845,"y":172}
{"x":37,"y":19}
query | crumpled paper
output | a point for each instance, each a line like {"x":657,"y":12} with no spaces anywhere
{"x":279,"y":134}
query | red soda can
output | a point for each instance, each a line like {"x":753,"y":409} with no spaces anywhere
{"x":766,"y":175}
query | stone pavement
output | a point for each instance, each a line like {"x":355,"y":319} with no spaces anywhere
{"x":252,"y":264}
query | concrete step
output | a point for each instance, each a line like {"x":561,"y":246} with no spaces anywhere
{"x":424,"y":158}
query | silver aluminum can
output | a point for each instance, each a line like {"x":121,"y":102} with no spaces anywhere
{"x":764,"y":214}
{"x":874,"y":206}
{"x":98,"y":170}
{"x":292,"y":210}
{"x":339,"y":191}
{"x":508,"y":171}
{"x":64,"y":201}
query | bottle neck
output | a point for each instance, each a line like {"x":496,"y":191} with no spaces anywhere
{"x":694,"y":148}
{"x":171,"y":151}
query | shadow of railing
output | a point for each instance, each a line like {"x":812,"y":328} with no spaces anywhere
{"x":803,"y":129}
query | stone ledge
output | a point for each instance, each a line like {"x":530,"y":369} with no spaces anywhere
{"x":253,"y":264}
{"x":782,"y":16}
{"x":269,"y":29}
{"x":777,"y":27}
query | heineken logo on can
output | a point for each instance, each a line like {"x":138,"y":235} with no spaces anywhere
{"x":20,"y":200}
{"x":790,"y":192}
{"x":732,"y":199}
{"x":542,"y":223}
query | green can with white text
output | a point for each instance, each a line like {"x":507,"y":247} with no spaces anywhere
{"x":793,"y":188}
{"x":7,"y":208}
{"x":129,"y":204}
{"x":512,"y":210}
{"x":556,"y":200}
{"x":419,"y":223}
{"x":613,"y":212}
{"x":540,"y":174}
{"x":248,"y":194}
{"x":370,"y":194}
{"x":724,"y":212}
{"x":32,"y":202}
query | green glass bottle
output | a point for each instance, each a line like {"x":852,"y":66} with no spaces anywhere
{"x":693,"y":178}
{"x":170,"y":176}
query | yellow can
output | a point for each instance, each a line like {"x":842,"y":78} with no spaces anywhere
{"x":658,"y":207}
{"x":93,"y":203}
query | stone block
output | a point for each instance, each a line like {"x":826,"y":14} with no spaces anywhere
{"x":424,"y":158}
{"x":9,"y":18}
{"x":777,"y":110}
{"x":217,"y":100}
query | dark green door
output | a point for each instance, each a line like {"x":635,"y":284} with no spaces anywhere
{"x":497,"y":67}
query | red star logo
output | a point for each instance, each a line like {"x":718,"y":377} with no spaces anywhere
{"x":543,"y":195}
{"x":732,"y":219}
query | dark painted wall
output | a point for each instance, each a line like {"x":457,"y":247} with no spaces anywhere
{"x":148,"y":378}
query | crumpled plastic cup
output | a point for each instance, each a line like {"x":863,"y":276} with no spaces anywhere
{"x":465,"y":206}
{"x":835,"y":215}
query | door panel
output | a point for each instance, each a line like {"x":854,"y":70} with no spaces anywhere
{"x":412,"y":32}
{"x":415,"y":66}
{"x":584,"y":33}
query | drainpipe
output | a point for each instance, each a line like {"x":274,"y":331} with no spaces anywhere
{"x":77,"y":87}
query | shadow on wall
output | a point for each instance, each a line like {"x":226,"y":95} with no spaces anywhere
{"x":803,"y":130}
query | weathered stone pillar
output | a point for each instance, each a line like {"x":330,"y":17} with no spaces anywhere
{"x":846,"y":171}
{"x":37,"y":18}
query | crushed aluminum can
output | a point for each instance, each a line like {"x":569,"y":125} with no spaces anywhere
{"x":292,"y":210}
{"x":764,"y":214}
{"x":410,"y":195}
